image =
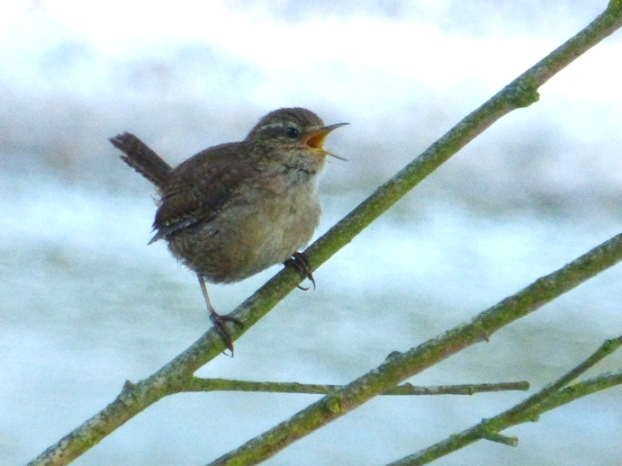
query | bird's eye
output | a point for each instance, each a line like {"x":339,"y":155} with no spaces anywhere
{"x":292,"y":132}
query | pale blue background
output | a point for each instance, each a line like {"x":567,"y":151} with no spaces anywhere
{"x":85,"y":304}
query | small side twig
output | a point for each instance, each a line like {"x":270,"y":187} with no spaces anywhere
{"x":197,"y":384}
{"x":529,"y":410}
{"x":518,"y":94}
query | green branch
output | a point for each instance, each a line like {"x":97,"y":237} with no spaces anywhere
{"x":176,"y":374}
{"x":405,"y":365}
{"x":197,"y":384}
{"x":529,"y":410}
{"x":521,"y":92}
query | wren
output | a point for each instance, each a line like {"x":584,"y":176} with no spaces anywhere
{"x":235,"y":209}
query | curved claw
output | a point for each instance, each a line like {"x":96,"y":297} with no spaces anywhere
{"x":217,"y":319}
{"x":301,"y":264}
{"x":219,"y":325}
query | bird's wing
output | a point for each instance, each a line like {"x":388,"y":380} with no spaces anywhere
{"x":197,"y":190}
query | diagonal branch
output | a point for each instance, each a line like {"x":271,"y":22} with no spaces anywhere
{"x":521,"y":92}
{"x":402,"y":366}
{"x":530,"y":409}
{"x":174,"y":375}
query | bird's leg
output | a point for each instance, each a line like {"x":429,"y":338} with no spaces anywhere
{"x":217,"y":319}
{"x":301,"y":264}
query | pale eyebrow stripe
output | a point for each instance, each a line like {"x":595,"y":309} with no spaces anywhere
{"x":280,"y":124}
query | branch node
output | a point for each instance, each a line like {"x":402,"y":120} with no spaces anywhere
{"x":392,"y":355}
{"x":523,"y":93}
{"x":499,"y":438}
{"x":127,"y":387}
{"x":333,"y":404}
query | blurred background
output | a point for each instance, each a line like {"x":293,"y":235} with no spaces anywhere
{"x":86,"y":305}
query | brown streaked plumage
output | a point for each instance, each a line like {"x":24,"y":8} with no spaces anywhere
{"x":235,"y":209}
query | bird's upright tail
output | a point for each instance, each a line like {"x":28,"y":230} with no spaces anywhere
{"x":142,"y":159}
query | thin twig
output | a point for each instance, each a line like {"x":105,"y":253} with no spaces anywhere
{"x":526,"y":411}
{"x":521,"y":92}
{"x":404,"y":365}
{"x":169,"y":379}
{"x":197,"y":384}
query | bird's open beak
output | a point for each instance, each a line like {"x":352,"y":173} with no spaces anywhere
{"x":316,"y":138}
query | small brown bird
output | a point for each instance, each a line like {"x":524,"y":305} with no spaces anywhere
{"x":235,"y":209}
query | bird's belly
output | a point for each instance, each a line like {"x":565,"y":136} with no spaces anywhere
{"x":249,"y":237}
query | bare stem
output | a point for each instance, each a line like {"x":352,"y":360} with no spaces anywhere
{"x":402,"y":366}
{"x":197,"y":384}
{"x":529,"y":410}
{"x":520,"y":93}
{"x":173,"y":376}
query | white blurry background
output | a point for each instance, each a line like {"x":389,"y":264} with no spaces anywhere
{"x":85,"y":305}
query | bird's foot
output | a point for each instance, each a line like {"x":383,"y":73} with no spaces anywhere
{"x":219,"y":323}
{"x":301,"y":264}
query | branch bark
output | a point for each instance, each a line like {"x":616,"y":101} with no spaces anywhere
{"x":402,"y":366}
{"x":171,"y":378}
{"x":197,"y":384}
{"x":529,"y":410}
